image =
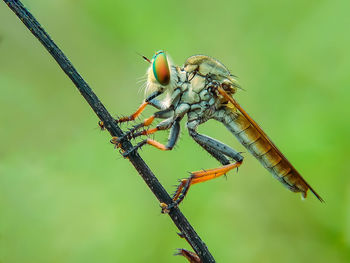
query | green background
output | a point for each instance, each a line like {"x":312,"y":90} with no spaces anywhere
{"x":67,"y":196}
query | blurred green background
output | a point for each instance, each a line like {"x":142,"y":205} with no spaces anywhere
{"x":67,"y":196}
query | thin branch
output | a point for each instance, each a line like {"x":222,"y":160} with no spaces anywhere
{"x":158,"y":190}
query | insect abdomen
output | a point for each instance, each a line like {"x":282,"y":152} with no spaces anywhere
{"x":265,"y":152}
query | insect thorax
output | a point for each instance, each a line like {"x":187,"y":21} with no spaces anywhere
{"x":197,"y":94}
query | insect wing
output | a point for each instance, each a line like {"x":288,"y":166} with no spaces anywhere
{"x":291,"y":179}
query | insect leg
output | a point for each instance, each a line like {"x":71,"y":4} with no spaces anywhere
{"x":173,"y":136}
{"x":218,"y":150}
{"x":217,"y":155}
{"x":150,"y":100}
{"x":155,"y":103}
{"x":163,"y":114}
{"x":215,"y":145}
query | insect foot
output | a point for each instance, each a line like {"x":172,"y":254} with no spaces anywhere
{"x":116,"y":141}
{"x":167,"y":208}
{"x":164,"y":207}
{"x":133,"y":149}
{"x":128,"y":135}
{"x":189,"y":255}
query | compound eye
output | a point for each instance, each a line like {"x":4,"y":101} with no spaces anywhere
{"x":161,"y":68}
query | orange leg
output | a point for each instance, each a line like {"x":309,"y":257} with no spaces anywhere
{"x":142,"y":107}
{"x":154,"y":143}
{"x":173,"y":136}
{"x":195,"y":178}
{"x":134,"y":115}
{"x":158,"y":145}
{"x":147,"y":132}
{"x":130,"y":134}
{"x":163,"y":114}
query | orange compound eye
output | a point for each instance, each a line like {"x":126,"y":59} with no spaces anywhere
{"x":161,"y":68}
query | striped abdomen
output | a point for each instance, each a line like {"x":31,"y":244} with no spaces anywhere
{"x":259,"y":145}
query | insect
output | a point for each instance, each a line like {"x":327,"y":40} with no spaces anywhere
{"x":203,"y":89}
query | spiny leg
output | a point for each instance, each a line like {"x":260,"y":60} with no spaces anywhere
{"x":173,"y":136}
{"x":217,"y":155}
{"x":215,"y":145}
{"x":150,"y":100}
{"x":195,"y":178}
{"x":167,"y":113}
{"x":216,"y":149}
{"x":133,"y":116}
{"x":164,"y":125}
{"x":173,"y":121}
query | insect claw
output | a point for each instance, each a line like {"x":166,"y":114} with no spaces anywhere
{"x":167,"y":208}
{"x":126,"y":154}
{"x":122,"y":152}
{"x":189,"y":255}
{"x":116,"y":141}
{"x":164,"y":207}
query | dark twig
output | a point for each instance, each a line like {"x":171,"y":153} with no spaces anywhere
{"x":178,"y":218}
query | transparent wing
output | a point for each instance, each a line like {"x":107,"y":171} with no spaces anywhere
{"x":250,"y":134}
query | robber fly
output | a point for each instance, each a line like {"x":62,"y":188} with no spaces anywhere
{"x":203,"y":89}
